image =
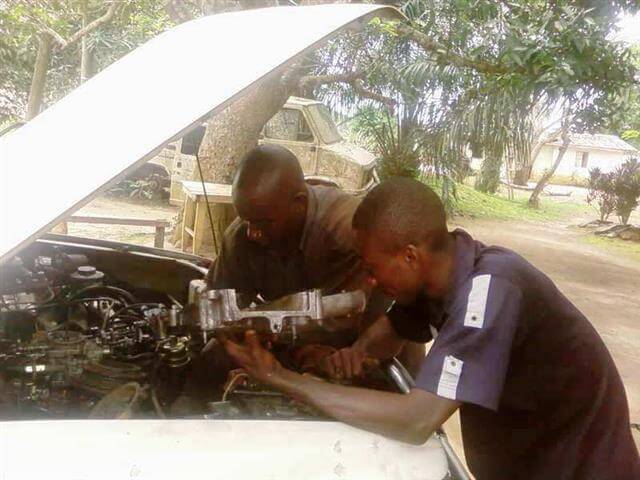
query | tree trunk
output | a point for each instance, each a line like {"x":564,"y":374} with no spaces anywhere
{"x":523,"y":172}
{"x":522,"y":175}
{"x":229,"y":135}
{"x":489,"y":177}
{"x":87,"y":64}
{"x":534,"y":200}
{"x":39,"y":79}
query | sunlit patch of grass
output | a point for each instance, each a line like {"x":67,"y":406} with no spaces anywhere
{"x":472,"y":203}
{"x":615,"y":246}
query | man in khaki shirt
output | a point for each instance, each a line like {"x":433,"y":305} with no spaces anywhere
{"x":291,"y":236}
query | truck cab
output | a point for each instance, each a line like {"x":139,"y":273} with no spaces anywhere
{"x":305,"y":127}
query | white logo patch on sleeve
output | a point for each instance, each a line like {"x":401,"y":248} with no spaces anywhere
{"x":450,"y":376}
{"x":477,"y":302}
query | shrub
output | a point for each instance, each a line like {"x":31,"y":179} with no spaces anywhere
{"x":600,"y":192}
{"x":626,"y":187}
{"x":617,"y":191}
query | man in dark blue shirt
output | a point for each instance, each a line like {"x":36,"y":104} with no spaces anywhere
{"x":538,"y":393}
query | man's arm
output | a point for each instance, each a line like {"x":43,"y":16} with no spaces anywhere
{"x":380,"y":340}
{"x":410,"y":418}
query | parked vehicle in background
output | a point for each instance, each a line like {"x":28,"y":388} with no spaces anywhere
{"x":305,"y":127}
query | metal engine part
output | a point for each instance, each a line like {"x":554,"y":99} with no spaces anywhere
{"x":219,"y":310}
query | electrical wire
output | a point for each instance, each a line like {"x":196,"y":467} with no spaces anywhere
{"x":232,"y":384}
{"x":156,"y":403}
{"x":206,"y":201}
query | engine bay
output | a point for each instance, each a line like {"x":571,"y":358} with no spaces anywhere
{"x":95,"y":333}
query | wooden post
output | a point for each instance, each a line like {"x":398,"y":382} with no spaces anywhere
{"x":158,"y":240}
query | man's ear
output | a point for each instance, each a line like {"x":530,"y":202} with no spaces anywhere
{"x":411,"y":254}
{"x":299,"y":203}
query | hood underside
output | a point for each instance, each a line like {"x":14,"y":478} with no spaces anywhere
{"x":116,"y":121}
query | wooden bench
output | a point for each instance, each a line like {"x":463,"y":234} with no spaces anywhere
{"x":195,"y":219}
{"x":159,"y":225}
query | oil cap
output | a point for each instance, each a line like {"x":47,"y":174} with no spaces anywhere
{"x":87,"y":275}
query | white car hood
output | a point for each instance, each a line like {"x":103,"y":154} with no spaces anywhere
{"x":222,"y":449}
{"x":120,"y":118}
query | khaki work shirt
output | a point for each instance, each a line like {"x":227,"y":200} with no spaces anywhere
{"x":325,"y":258}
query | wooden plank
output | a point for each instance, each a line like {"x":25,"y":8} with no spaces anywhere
{"x":139,"y":222}
{"x":216,"y":192}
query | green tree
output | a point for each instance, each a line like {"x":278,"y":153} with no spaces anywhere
{"x":627,"y":123}
{"x":503,"y":63}
{"x":47,"y":47}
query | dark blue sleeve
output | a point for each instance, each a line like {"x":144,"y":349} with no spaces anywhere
{"x":470,"y":356}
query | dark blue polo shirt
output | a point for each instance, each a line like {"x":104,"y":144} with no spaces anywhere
{"x":541,"y":396}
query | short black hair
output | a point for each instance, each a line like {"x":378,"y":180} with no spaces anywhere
{"x":402,"y":211}
{"x":269,"y":163}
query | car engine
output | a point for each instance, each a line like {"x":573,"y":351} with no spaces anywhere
{"x":76,"y":342}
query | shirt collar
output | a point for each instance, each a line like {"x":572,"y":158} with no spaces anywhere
{"x":467,"y":251}
{"x":312,"y":208}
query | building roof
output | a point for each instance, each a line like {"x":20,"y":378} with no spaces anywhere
{"x":597,"y":141}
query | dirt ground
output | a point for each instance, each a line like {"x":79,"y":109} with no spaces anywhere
{"x":604,"y":285}
{"x":122,"y":208}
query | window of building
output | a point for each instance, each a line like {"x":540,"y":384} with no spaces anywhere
{"x":582,"y":159}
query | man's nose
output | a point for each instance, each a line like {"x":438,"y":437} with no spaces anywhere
{"x":254,"y":234}
{"x":372,"y":280}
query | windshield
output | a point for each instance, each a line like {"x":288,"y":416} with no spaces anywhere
{"x":326,"y":126}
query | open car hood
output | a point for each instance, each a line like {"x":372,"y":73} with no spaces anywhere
{"x":116,"y":121}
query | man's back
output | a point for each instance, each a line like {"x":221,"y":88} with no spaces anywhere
{"x":563,"y":412}
{"x":541,"y":396}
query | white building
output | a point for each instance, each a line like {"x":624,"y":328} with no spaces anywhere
{"x":585,"y":152}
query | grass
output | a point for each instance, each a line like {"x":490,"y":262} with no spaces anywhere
{"x":615,"y":246}
{"x":475,"y":204}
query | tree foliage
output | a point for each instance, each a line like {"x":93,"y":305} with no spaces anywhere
{"x":626,"y":186}
{"x":483,"y":73}
{"x":616,"y":191}
{"x":21,"y":23}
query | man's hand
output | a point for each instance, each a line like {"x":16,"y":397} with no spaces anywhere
{"x":345,"y":363}
{"x":256,"y":360}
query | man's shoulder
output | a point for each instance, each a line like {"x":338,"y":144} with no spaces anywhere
{"x":328,"y":196}
{"x":333,"y":215}
{"x":503,"y":263}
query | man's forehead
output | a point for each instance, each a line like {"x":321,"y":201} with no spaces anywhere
{"x":257,"y":202}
